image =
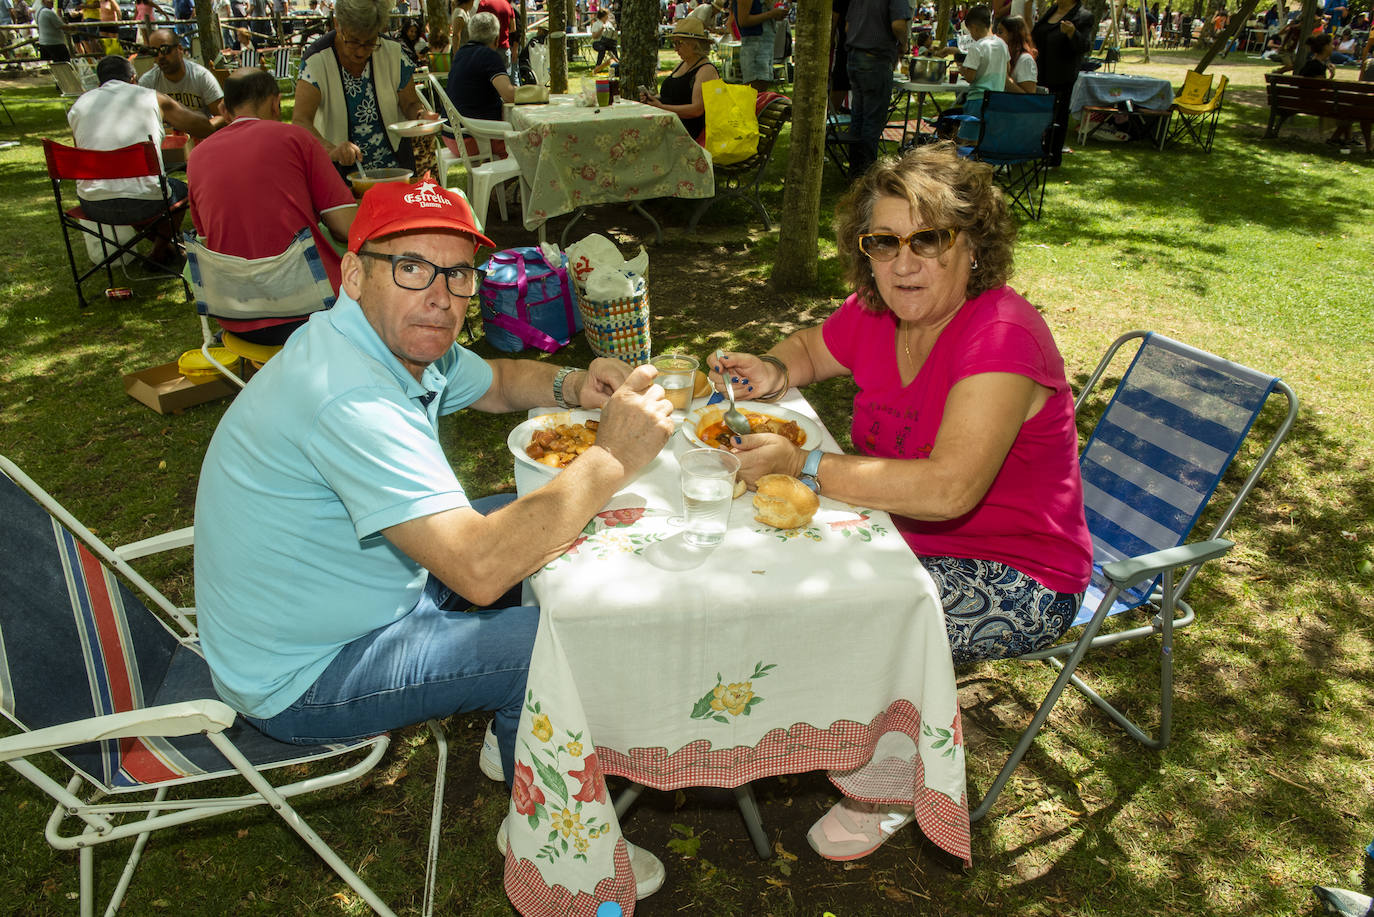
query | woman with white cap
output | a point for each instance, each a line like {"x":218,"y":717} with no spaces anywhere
{"x":680,"y":92}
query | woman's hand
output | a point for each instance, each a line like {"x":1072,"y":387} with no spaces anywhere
{"x":766,"y":453}
{"x":346,"y":153}
{"x":648,"y":98}
{"x":1067,"y":28}
{"x":750,"y":376}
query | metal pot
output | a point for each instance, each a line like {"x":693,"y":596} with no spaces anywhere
{"x":928,"y":69}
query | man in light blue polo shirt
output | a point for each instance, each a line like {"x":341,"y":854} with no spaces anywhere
{"x":335,"y":546}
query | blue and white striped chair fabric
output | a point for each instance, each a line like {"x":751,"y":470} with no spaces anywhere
{"x":82,"y":656}
{"x":1174,"y":424}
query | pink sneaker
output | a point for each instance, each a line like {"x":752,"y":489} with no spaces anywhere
{"x":855,"y":829}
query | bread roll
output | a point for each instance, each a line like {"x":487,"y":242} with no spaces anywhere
{"x":784,"y":502}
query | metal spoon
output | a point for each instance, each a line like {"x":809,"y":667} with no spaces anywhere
{"x":734,"y":418}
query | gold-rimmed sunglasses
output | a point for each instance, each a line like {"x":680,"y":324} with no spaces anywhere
{"x":928,"y":243}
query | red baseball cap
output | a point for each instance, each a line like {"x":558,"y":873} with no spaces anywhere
{"x":392,"y":207}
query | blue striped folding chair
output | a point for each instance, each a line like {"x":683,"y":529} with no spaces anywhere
{"x":122,"y":699}
{"x":1174,"y":424}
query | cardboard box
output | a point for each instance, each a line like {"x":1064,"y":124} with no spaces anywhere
{"x":167,"y":391}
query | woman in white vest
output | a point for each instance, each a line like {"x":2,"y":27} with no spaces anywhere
{"x":353,"y":83}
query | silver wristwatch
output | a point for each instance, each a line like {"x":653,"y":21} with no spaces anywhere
{"x":558,"y":381}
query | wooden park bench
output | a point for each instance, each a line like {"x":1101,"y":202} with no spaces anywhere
{"x":1342,"y":100}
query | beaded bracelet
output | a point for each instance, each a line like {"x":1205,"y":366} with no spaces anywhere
{"x":776,"y":395}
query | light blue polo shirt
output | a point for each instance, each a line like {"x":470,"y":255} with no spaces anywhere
{"x":332,"y":442}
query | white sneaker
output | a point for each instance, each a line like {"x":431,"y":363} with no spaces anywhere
{"x":489,"y":762}
{"x":648,"y":869}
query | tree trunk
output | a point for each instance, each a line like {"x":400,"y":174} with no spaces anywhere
{"x":1237,"y":22}
{"x":1309,"y":18}
{"x":436,"y":20}
{"x":943,"y":9}
{"x":209,"y":33}
{"x":558,"y":47}
{"x":796,"y":264}
{"x":638,"y":45}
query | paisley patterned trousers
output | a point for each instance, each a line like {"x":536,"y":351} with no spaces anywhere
{"x":993,"y":611}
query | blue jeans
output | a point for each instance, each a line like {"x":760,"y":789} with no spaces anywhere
{"x":870,"y":90}
{"x":438,"y":660}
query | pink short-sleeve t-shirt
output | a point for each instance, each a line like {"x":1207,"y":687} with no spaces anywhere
{"x":1032,"y":516}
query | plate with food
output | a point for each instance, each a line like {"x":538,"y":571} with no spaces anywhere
{"x":706,"y":426}
{"x":419,"y":127}
{"x":545,"y":445}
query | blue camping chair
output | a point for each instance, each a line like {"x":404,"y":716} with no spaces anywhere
{"x":1175,"y":422}
{"x":125,"y":705}
{"x":1009,"y":133}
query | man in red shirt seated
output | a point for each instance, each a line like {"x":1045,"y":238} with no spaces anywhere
{"x":259,"y":157}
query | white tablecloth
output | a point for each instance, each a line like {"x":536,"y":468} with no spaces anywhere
{"x":776,"y":652}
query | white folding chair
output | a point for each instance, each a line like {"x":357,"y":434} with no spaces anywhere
{"x":485,"y":173}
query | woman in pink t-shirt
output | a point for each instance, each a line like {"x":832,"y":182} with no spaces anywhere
{"x":963,"y":419}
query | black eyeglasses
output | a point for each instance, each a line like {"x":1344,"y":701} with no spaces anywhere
{"x":928,"y":243}
{"x":414,"y":273}
{"x":163,"y":50}
{"x":362,"y":45}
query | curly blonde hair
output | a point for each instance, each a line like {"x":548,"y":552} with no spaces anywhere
{"x":944,"y":191}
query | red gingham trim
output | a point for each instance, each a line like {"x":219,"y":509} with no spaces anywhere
{"x":844,"y":746}
{"x":533,"y":897}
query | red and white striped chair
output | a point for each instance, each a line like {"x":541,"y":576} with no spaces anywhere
{"x":121,"y":699}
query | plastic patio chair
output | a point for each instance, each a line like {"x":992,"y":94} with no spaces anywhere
{"x":140,"y":160}
{"x":741,"y":179}
{"x":1009,"y":134}
{"x":121,"y":700}
{"x":1173,"y":426}
{"x":486,"y":174}
{"x":291,"y":284}
{"x":1196,"y":121}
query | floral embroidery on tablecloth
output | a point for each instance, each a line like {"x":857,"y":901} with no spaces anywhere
{"x":948,"y":741}
{"x":612,"y":532}
{"x":541,"y":793}
{"x":736,"y":698}
{"x":861,"y":527}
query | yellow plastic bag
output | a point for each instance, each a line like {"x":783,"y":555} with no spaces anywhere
{"x":732,"y":125}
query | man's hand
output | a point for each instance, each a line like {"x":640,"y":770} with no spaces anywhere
{"x":603,"y":376}
{"x":636,"y":420}
{"x":346,"y":153}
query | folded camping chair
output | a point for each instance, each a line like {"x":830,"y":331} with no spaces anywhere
{"x":1175,"y":422}
{"x":840,"y":143}
{"x":1196,"y":120}
{"x":69,"y":163}
{"x":68,"y":82}
{"x":1009,"y":133}
{"x":122,"y":699}
{"x":741,"y":179}
{"x":289,"y":285}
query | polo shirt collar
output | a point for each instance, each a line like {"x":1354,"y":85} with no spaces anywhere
{"x":348,"y":319}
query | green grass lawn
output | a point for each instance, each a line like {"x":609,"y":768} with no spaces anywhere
{"x":1259,"y":251}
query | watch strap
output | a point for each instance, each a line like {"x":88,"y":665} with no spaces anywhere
{"x":559,"y":378}
{"x":810,"y":473}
